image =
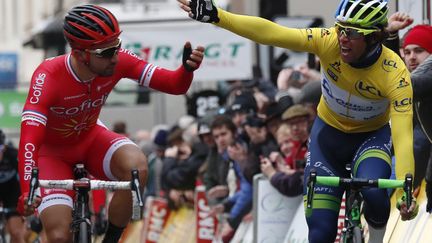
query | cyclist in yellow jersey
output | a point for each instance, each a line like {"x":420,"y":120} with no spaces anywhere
{"x":364,"y":85}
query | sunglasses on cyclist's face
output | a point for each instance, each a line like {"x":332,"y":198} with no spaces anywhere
{"x":107,"y":52}
{"x":351,"y":32}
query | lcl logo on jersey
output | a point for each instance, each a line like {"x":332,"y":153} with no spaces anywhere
{"x":403,"y":105}
{"x":367,"y":90}
{"x":402,"y":83}
{"x":389,"y":65}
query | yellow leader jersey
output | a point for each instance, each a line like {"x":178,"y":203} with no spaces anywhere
{"x":353,"y":99}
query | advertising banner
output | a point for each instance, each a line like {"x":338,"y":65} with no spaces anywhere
{"x":227,"y":56}
{"x":11,"y":105}
{"x":156,"y":216}
{"x":8,"y":70}
{"x":205,"y":224}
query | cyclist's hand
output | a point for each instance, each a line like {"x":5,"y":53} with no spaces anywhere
{"x":22,"y":207}
{"x":192,"y":58}
{"x":407,"y":214}
{"x":398,"y":21}
{"x":201,"y":10}
{"x":429,"y":197}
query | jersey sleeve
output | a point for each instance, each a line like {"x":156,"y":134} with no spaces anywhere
{"x":33,"y":125}
{"x":149,"y":75}
{"x":401,"y":116}
{"x":266,"y":32}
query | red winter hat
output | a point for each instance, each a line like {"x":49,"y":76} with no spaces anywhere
{"x":420,"y":35}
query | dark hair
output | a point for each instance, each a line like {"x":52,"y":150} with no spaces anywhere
{"x":223,"y":121}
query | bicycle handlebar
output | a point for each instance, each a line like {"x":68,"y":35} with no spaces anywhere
{"x":70,"y":184}
{"x":335,"y":181}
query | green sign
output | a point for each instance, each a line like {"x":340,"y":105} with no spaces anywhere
{"x":11,"y":105}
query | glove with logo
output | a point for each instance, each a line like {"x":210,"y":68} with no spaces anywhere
{"x":407,"y":215}
{"x":204,"y":11}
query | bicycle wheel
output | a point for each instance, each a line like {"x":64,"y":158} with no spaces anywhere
{"x":357,"y":235}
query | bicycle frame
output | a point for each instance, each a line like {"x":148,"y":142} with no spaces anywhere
{"x":352,"y":231}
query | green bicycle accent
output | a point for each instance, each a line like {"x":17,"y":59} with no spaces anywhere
{"x":353,"y":229}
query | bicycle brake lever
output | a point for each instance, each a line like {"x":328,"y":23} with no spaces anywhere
{"x":136,"y":187}
{"x":311,"y":188}
{"x":408,"y":189}
{"x":34,"y":183}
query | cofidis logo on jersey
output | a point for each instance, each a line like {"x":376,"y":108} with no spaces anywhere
{"x":85,"y":105}
{"x":389,"y":65}
{"x":36,"y":89}
{"x":403,"y":105}
{"x":367,"y":90}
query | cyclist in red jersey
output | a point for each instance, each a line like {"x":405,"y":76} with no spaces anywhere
{"x":60,"y":125}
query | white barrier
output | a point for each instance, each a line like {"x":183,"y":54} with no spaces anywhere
{"x":273,"y":212}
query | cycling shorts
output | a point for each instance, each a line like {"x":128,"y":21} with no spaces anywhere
{"x":330,"y":151}
{"x":56,"y":162}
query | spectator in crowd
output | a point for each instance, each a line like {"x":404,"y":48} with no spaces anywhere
{"x":120,"y":127}
{"x":417,"y":46}
{"x":205,"y":136}
{"x":273,"y":113}
{"x":153,"y":186}
{"x":415,"y":49}
{"x":286,"y":145}
{"x":180,"y":167}
{"x":297,"y":118}
{"x":243,"y":103}
{"x":232,"y":150}
{"x":287,"y":181}
{"x":10,"y":190}
{"x":261,"y":143}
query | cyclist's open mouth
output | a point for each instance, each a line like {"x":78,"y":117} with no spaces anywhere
{"x":345,"y":51}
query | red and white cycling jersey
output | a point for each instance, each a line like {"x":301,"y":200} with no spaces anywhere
{"x":61,"y":109}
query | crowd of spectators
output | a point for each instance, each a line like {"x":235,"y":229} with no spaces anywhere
{"x":263,"y":127}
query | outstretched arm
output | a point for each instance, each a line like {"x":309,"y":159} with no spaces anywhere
{"x":178,"y":81}
{"x":257,"y":29}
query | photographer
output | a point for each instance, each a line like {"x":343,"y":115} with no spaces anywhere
{"x":287,"y":181}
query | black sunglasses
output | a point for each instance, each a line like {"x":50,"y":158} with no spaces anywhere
{"x":107,"y":52}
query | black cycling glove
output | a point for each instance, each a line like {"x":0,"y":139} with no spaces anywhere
{"x":204,"y":11}
{"x":187,"y":51}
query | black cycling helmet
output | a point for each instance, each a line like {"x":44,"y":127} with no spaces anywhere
{"x":89,"y":25}
{"x":2,"y":137}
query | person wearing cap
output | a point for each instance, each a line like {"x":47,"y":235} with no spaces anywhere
{"x":416,"y":49}
{"x":10,"y":190}
{"x":297,"y":117}
{"x":60,"y":126}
